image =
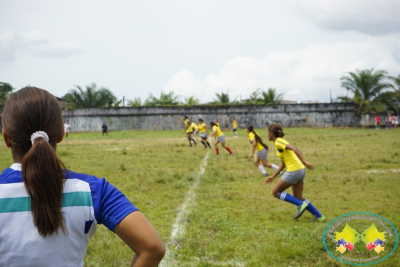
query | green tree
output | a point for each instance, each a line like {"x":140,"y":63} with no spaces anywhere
{"x":191,"y":101}
{"x":255,"y":97}
{"x":396,"y":93}
{"x":5,"y":91}
{"x":90,"y":98}
{"x":136,"y":102}
{"x":370,"y":92}
{"x":223,"y":98}
{"x":164,"y":100}
{"x":271,"y":97}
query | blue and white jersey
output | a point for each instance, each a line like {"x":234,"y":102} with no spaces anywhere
{"x":87,"y":201}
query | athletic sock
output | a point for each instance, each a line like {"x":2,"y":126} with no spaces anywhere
{"x":203,"y":143}
{"x":312,"y":209}
{"x":275,"y":167}
{"x":208,"y":144}
{"x":227,"y":148}
{"x":194,"y":141}
{"x":289,"y":198}
{"x":262,"y":169}
{"x":216,"y":149}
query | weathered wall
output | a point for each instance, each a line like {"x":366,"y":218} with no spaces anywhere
{"x":170,"y":118}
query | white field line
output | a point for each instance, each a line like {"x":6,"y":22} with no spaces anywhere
{"x":384,"y":171}
{"x":178,"y":229}
{"x":113,"y":149}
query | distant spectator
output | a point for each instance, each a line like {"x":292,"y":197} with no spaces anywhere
{"x":377,"y":122}
{"x":393,"y":121}
{"x":387,"y":121}
{"x":104,"y":128}
{"x":396,"y":121}
{"x":67,"y":128}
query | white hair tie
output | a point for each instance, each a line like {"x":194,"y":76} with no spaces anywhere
{"x":38,"y":134}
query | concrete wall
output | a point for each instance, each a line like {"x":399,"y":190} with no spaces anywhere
{"x":170,"y":118}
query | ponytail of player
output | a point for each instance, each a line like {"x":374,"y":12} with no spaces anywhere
{"x":257,"y":137}
{"x":30,"y":117}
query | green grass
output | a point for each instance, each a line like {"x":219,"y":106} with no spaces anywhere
{"x":235,"y":220}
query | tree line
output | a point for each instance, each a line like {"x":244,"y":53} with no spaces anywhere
{"x":373,"y":91}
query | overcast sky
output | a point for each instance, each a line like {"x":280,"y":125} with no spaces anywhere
{"x":197,"y":48}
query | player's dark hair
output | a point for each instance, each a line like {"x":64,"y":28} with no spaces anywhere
{"x":201,"y":120}
{"x":257,"y":137}
{"x":276,"y":129}
{"x":212,"y":124}
{"x":27,"y":111}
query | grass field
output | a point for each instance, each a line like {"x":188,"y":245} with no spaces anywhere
{"x":223,"y":213}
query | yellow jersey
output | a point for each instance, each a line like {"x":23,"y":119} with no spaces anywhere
{"x":218,"y":124}
{"x":234,"y":124}
{"x":252,"y":138}
{"x":292,"y":162}
{"x":202,"y":127}
{"x":194,"y":127}
{"x":217,"y":131}
{"x":187,"y":123}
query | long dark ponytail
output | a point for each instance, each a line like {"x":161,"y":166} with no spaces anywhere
{"x":27,"y":111}
{"x":257,"y":137}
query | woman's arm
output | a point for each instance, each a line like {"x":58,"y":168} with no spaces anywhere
{"x":269,"y":179}
{"x":254,"y":144}
{"x":142,"y":238}
{"x":300,"y":156}
{"x":214,"y":132}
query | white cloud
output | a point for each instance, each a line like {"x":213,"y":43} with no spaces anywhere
{"x":304,"y":74}
{"x":365,"y":16}
{"x":34,"y":42}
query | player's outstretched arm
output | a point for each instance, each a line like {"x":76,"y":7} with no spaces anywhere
{"x":269,"y":179}
{"x":142,"y":238}
{"x":300,"y":156}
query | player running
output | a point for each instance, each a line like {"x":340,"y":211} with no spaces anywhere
{"x":220,"y":138}
{"x":203,"y":133}
{"x":262,"y":151}
{"x":295,"y":164}
{"x":234,"y":125}
{"x":67,"y":128}
{"x":188,"y":130}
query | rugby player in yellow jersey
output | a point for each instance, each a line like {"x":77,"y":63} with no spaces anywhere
{"x":188,"y":130}
{"x":234,"y":125}
{"x":217,"y":123}
{"x":202,"y":127}
{"x":220,"y":138}
{"x":262,"y":151}
{"x":294,"y":176}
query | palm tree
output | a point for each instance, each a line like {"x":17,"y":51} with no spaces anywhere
{"x":136,"y":102}
{"x":191,"y":101}
{"x":255,"y":97}
{"x":396,"y":93}
{"x":164,"y":100}
{"x":223,"y":98}
{"x":90,"y":98}
{"x":5,"y":91}
{"x":271,"y":97}
{"x":370,"y":92}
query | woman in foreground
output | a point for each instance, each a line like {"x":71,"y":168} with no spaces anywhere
{"x":49,"y":213}
{"x":294,"y":176}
